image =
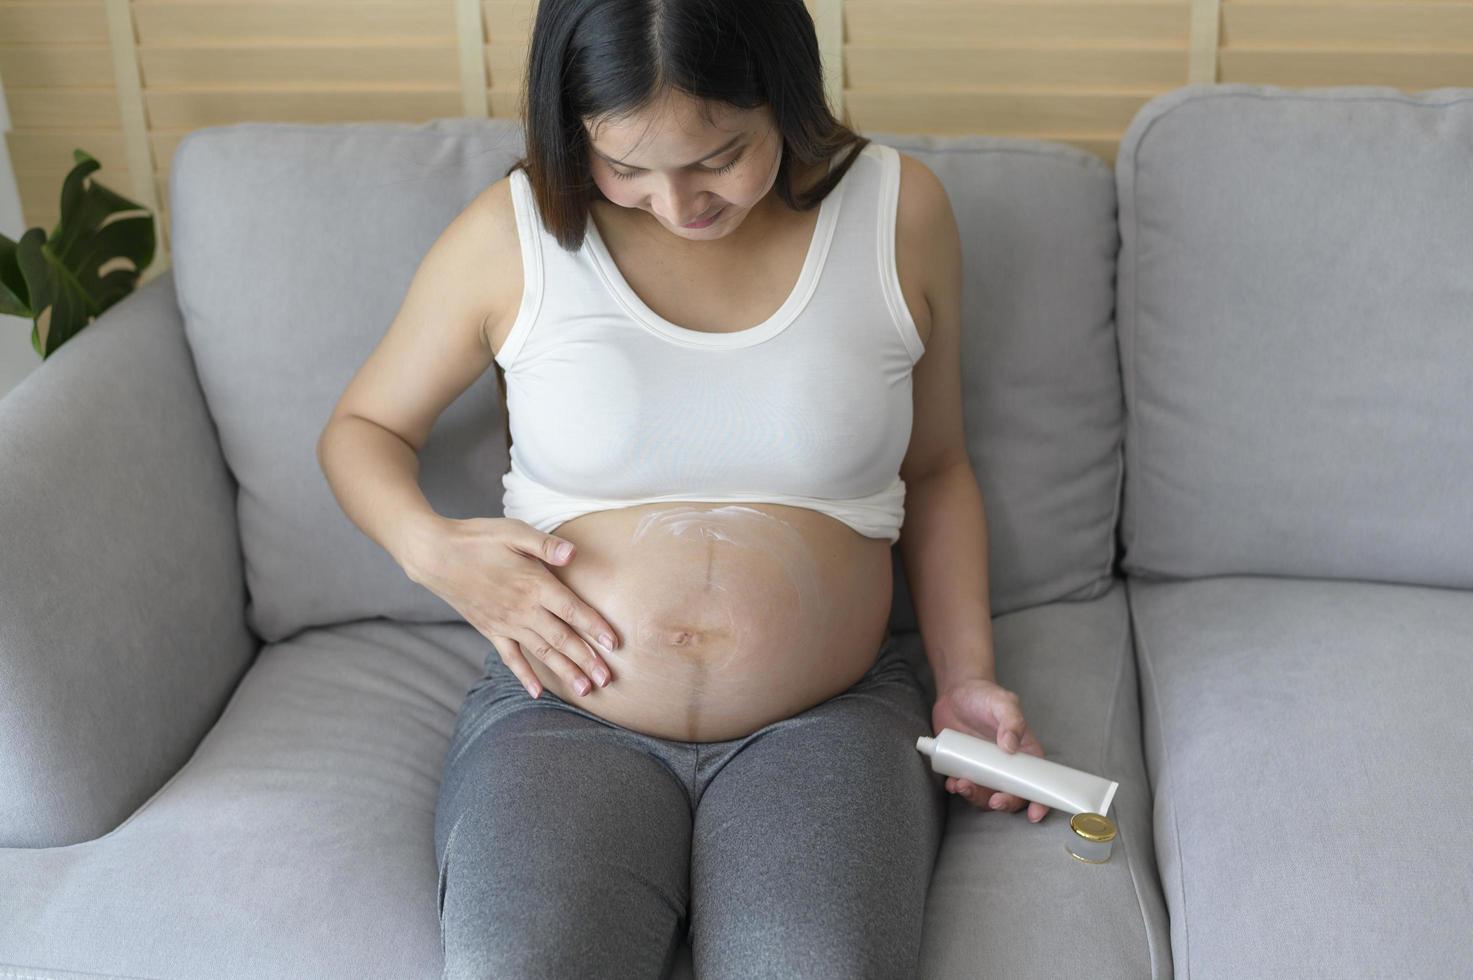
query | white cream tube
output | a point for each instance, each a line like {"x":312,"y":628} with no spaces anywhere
{"x":1020,"y":773}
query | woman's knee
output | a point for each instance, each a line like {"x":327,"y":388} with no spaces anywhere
{"x":560,"y":845}
{"x":514,"y":909}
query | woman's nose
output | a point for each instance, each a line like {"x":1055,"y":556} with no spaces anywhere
{"x":682,"y":205}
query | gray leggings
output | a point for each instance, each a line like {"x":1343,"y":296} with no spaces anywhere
{"x":569,"y":846}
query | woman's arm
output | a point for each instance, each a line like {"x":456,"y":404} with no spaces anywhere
{"x":943,"y":546}
{"x":943,"y":542}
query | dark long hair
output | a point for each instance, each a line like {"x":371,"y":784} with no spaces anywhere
{"x":600,"y":59}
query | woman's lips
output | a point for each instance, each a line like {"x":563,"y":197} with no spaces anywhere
{"x":706,"y":221}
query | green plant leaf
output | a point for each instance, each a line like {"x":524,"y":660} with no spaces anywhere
{"x":13,"y":293}
{"x":63,"y":274}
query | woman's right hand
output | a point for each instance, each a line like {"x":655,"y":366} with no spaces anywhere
{"x":492,"y":570}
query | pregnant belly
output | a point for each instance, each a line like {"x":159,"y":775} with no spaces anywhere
{"x":730,"y":616}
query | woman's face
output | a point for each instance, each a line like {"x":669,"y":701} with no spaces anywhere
{"x":670,"y":162}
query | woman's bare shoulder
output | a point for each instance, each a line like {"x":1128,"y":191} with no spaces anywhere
{"x":496,"y":259}
{"x":435,"y":347}
{"x":927,"y":242}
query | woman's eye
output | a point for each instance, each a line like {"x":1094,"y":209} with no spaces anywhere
{"x":723,"y":170}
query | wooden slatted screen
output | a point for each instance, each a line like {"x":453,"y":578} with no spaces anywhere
{"x":126,"y":79}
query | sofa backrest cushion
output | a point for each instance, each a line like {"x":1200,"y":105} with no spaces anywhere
{"x":294,"y":244}
{"x":1040,"y":369}
{"x":1296,"y":332}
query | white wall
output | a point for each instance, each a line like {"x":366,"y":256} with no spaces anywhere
{"x":17,"y":358}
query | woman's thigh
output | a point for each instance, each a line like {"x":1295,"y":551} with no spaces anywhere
{"x":813,"y":845}
{"x":564,"y":850}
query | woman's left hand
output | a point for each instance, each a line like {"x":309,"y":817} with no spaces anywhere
{"x":987,"y":710}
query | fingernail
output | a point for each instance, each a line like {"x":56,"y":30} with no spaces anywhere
{"x":564,"y":550}
{"x":997,"y":803}
{"x":1012,"y":741}
{"x":583,"y":687}
{"x":607,"y":641}
{"x":602,"y":676}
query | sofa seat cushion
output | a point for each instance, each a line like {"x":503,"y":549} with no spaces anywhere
{"x":298,"y":839}
{"x":295,"y":842}
{"x":1308,"y":745}
{"x":1007,"y":899}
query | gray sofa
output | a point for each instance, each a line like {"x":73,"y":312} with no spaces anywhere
{"x":1219,"y":400}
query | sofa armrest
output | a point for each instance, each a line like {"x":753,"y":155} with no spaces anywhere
{"x":122,"y":597}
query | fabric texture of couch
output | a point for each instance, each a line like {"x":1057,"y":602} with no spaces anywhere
{"x":1218,"y":398}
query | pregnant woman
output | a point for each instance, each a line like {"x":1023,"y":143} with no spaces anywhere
{"x":710,"y":300}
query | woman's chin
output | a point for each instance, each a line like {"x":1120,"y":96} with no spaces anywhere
{"x":718,"y":227}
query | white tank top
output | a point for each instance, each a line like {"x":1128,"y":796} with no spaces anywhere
{"x":610,"y":405}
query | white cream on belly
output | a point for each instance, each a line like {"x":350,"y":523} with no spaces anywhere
{"x":739,"y":527}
